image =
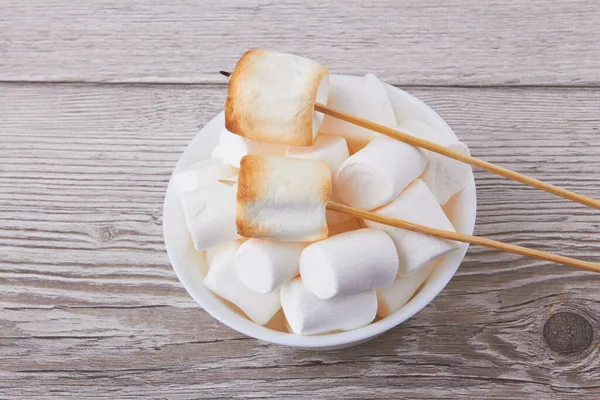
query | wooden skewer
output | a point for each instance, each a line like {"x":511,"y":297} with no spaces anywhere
{"x":457,"y":237}
{"x":460,"y":237}
{"x":445,"y":151}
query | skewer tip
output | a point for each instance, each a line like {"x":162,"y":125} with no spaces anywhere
{"x":225,"y":73}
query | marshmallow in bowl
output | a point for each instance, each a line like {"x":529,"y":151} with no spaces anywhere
{"x":233,"y":147}
{"x":444,"y":175}
{"x":271,"y":98}
{"x":201,"y":174}
{"x":395,"y":296}
{"x":222,"y":279}
{"x":416,"y":204}
{"x":378,"y":173}
{"x":366,"y":98}
{"x":309,"y":315}
{"x":265,"y":266}
{"x":349,"y":263}
{"x":210,"y":214}
{"x":334,"y":151}
{"x":282,"y":199}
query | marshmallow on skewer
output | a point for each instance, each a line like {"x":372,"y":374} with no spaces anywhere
{"x":233,"y":147}
{"x":201,"y":174}
{"x":378,"y":173}
{"x":265,"y":266}
{"x":210,"y":214}
{"x":367,"y":99}
{"x":395,"y":296}
{"x":349,"y":263}
{"x":271,"y":98}
{"x":418,"y":205}
{"x":222,"y":279}
{"x":282,"y":199}
{"x":308,"y":315}
{"x":334,"y":151}
{"x":444,"y":175}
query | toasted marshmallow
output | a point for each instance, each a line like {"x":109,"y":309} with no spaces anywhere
{"x":308,"y":315}
{"x":233,"y":147}
{"x":272,"y":95}
{"x":349,"y":263}
{"x":334,"y":151}
{"x":201,"y":174}
{"x":282,"y":199}
{"x":265,"y":266}
{"x":444,"y":175}
{"x":222,"y":279}
{"x":418,"y":205}
{"x":210,"y":214}
{"x":350,"y":224}
{"x":378,"y":173}
{"x":395,"y":296}
{"x":367,"y":99}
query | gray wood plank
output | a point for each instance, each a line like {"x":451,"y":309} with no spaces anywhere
{"x":413,"y":42}
{"x":92,"y":309}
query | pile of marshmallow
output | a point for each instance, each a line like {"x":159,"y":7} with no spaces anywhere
{"x":256,"y":211}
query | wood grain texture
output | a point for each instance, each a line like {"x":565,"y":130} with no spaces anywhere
{"x":413,"y":42}
{"x":92,"y":309}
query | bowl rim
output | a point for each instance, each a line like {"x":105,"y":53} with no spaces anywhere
{"x":225,"y":315}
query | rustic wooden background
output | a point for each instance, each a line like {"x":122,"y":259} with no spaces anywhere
{"x":99,"y":98}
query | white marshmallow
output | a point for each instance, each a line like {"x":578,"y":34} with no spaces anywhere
{"x":222,"y":279}
{"x":349,"y":263}
{"x":351,"y":224}
{"x":418,"y":205}
{"x":216,"y":152}
{"x":201,"y":174}
{"x":211,"y":251}
{"x":282,"y":199}
{"x":378,"y":173}
{"x":265,"y":266}
{"x":271,"y":98}
{"x":367,"y":99}
{"x":395,"y":296}
{"x":233,"y":147}
{"x":308,"y":315}
{"x":210,"y":214}
{"x":444,"y":175}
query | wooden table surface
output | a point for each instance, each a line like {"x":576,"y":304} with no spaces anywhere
{"x":99,"y":99}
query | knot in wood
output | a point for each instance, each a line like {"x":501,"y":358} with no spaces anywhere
{"x":567,"y":332}
{"x":106,"y":233}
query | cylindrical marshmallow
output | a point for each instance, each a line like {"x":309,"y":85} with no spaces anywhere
{"x":445,"y":176}
{"x":271,"y":98}
{"x":349,"y":263}
{"x":282,"y":199}
{"x":265,"y":266}
{"x":222,"y":279}
{"x":366,"y":98}
{"x":416,"y":204}
{"x":378,"y":173}
{"x":233,"y":147}
{"x":395,"y":296}
{"x":201,"y":174}
{"x":210,"y":214}
{"x":309,"y":315}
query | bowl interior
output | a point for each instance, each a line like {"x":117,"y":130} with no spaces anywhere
{"x":189,"y":267}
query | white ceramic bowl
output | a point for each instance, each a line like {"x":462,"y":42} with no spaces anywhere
{"x":461,"y":211}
